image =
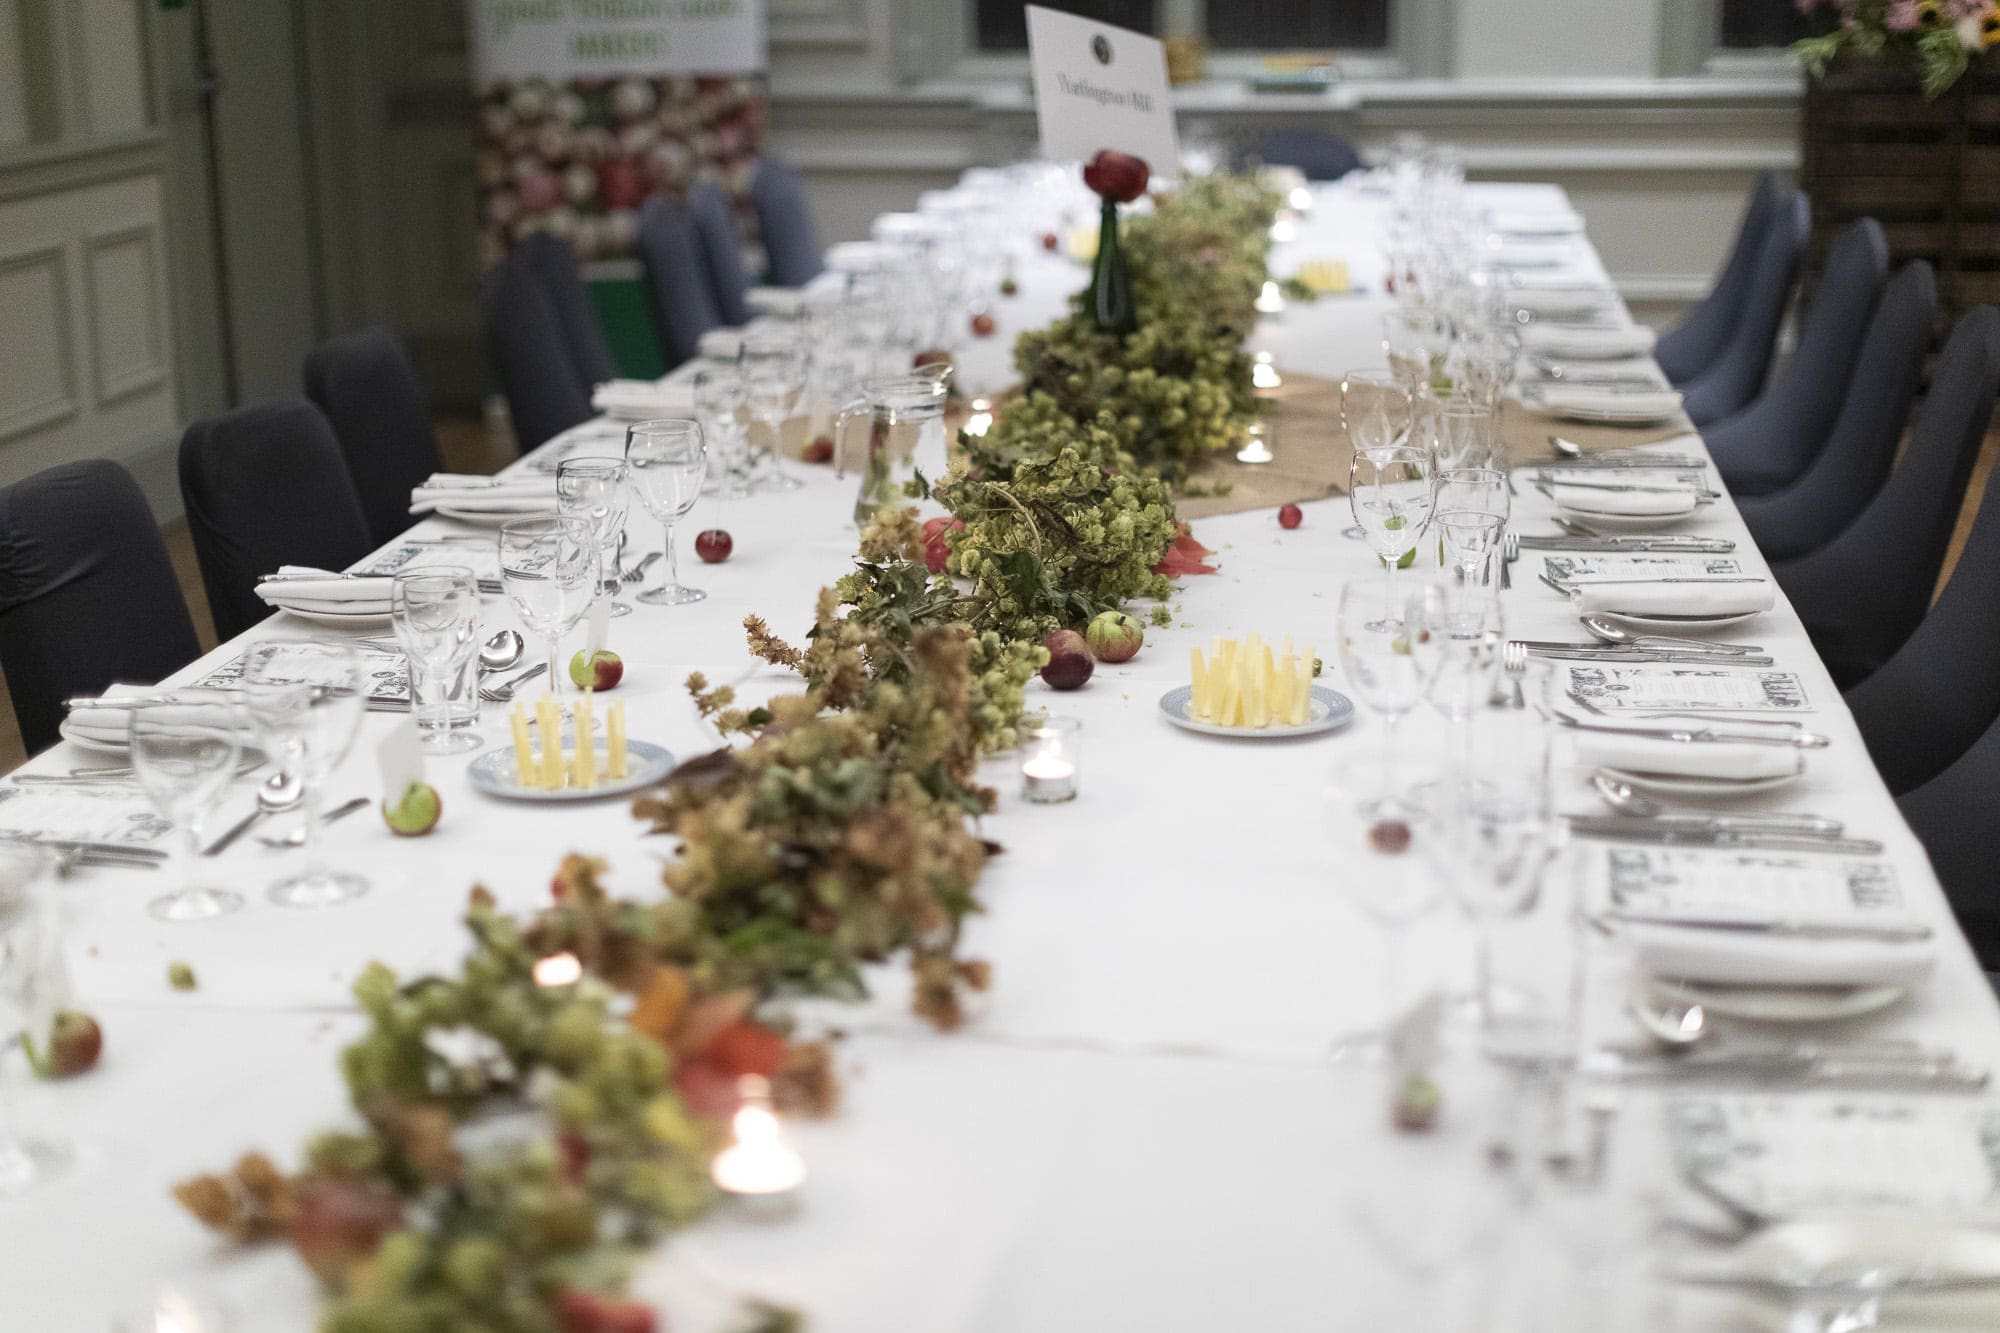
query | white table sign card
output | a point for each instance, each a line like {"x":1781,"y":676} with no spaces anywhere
{"x":1096,"y":87}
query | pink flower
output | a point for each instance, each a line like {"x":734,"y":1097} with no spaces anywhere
{"x":1902,"y":16}
{"x":1955,"y":10}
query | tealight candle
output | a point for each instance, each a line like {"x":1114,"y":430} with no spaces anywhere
{"x":1270,"y":301}
{"x":759,"y":1168}
{"x":1255,"y":450}
{"x":1281,"y":230}
{"x":558,"y":969}
{"x":1264,"y":375}
{"x":1049,"y":756}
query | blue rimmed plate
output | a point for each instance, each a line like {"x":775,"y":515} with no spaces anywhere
{"x":645,"y":764}
{"x":1329,"y":711}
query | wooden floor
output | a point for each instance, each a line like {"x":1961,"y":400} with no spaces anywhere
{"x":469,"y":446}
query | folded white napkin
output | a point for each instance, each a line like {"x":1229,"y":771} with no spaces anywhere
{"x":520,"y":494}
{"x":1553,"y":302}
{"x":1675,"y":599}
{"x":1607,"y":402}
{"x":1636,"y":504}
{"x":638,"y":400}
{"x":1582,"y":344}
{"x":112,"y":726}
{"x":859,"y":256}
{"x":781,"y":301}
{"x":1539,"y":252}
{"x":1530,"y":222}
{"x":323,"y":590}
{"x":1739,"y":761}
{"x":1743,"y":958}
{"x":1587,"y":372}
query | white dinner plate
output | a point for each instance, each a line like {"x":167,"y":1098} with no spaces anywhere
{"x":1610,"y":416}
{"x":1328,"y":711}
{"x":1680,"y":624}
{"x":493,"y":773}
{"x":89,"y":745}
{"x":486,"y":518}
{"x":344,"y":619}
{"x":1681,"y":786}
{"x":1781,"y":1004}
{"x":1629,"y":522}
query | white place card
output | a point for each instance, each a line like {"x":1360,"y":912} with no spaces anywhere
{"x":114,"y":812}
{"x":1793,"y":1155}
{"x":400,"y":757}
{"x":1804,"y":888}
{"x":388,"y":675}
{"x":1601,"y":569}
{"x":1096,"y":87}
{"x":1652,"y":689}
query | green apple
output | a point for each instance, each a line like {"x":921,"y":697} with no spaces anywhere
{"x":416,"y":812}
{"x":600,"y":671}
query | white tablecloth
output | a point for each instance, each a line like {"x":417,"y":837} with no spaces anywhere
{"x":1138,"y":1131}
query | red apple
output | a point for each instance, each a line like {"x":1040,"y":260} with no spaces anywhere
{"x":1290,"y":516}
{"x":1119,"y":177}
{"x":1070,"y":663}
{"x":415,"y":813}
{"x":580,"y":1311}
{"x":601,"y":670}
{"x":984,"y":325}
{"x":1114,"y":636}
{"x":713,"y":545}
{"x":1009,"y":287}
{"x":820,"y":450}
{"x":75,"y":1043}
{"x":936,"y":552}
{"x":747,"y":1048}
{"x":340,"y":1222}
{"x":1051,"y":241}
{"x":1389,"y":836}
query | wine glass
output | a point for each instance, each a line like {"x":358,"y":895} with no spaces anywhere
{"x":31,"y":986}
{"x":1391,"y":491}
{"x":183,"y":755}
{"x":1470,"y":541}
{"x":774,"y":372}
{"x":596,"y":490}
{"x":667,"y":460}
{"x":549,"y":568}
{"x":1464,"y":433}
{"x":305,"y":702}
{"x":720,"y":394}
{"x":1374,"y":409}
{"x":1415,"y":338}
{"x":1375,"y":652}
{"x":435,"y":609}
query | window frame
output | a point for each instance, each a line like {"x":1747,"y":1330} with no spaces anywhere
{"x":1691,"y":45}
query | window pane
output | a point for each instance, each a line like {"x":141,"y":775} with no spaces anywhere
{"x":1748,"y":24}
{"x":1003,"y":24}
{"x":1306,"y":24}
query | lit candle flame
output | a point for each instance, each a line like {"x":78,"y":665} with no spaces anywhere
{"x":559,"y":969}
{"x":1270,"y":301}
{"x":759,"y":1161}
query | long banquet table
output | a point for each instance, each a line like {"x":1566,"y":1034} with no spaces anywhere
{"x":1139,"y":1130}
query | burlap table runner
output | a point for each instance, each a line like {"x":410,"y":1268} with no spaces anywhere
{"x":1310,"y":454}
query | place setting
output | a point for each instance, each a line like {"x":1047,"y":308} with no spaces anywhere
{"x":480,"y":501}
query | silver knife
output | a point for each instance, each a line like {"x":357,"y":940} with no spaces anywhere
{"x":1680,"y":656}
{"x":1799,"y":739}
{"x":1620,"y":830}
{"x":1890,"y":932}
{"x":1545,"y":480}
{"x":1939,"y":1071}
{"x":1776,"y":822}
{"x":118,"y":849}
{"x":1662,"y":542}
{"x":1622,"y":583}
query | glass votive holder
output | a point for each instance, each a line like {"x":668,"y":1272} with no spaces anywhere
{"x":1256,"y":445}
{"x":1051,"y":750}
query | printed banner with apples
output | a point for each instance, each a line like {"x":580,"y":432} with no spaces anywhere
{"x":586,"y":107}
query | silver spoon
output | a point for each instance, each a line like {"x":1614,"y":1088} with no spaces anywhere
{"x":1565,"y":448}
{"x":1626,"y":799}
{"x":501,"y":651}
{"x":278,"y":793}
{"x":297,"y":837}
{"x":1612,"y":632}
{"x":1574,"y":528}
{"x":1674,"y":1024}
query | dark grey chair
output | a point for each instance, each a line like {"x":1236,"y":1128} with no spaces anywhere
{"x":721,"y":250}
{"x":1956,"y":815}
{"x":784,"y":224}
{"x":546,"y":394}
{"x":1695,"y":344}
{"x":1938,"y":683}
{"x":1812,"y":511}
{"x":87,"y":594}
{"x":677,"y":280}
{"x":364,"y":384}
{"x":554,"y":266}
{"x":266,"y":486}
{"x":1769,"y":443}
{"x":1321,"y":156}
{"x":1737,"y":375}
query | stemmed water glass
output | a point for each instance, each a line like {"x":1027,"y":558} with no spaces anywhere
{"x":435,"y":609}
{"x":1415,"y":337}
{"x":667,"y":460}
{"x":1463,"y":427}
{"x":1391,"y":491}
{"x":305,"y":702}
{"x":549,"y":568}
{"x":1375,"y":653}
{"x":774,"y":372}
{"x":1374,"y":409}
{"x":30,"y":986}
{"x":183,"y":755}
{"x":720,"y":394}
{"x":597,"y":491}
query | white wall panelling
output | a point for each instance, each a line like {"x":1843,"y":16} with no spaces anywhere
{"x":38,"y":380}
{"x":126,"y":311}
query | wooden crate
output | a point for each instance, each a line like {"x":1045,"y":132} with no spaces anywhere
{"x":1928,"y":171}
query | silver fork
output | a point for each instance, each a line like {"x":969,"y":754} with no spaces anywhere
{"x":504,"y":692}
{"x":1510,"y":551}
{"x":1514,"y":661}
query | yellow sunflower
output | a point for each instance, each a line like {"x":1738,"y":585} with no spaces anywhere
{"x":1929,"y":15}
{"x":1989,"y":28}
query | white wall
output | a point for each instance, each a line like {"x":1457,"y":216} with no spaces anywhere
{"x":13,"y":83}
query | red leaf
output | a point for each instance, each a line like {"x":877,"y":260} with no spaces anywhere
{"x":1185,"y":557}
